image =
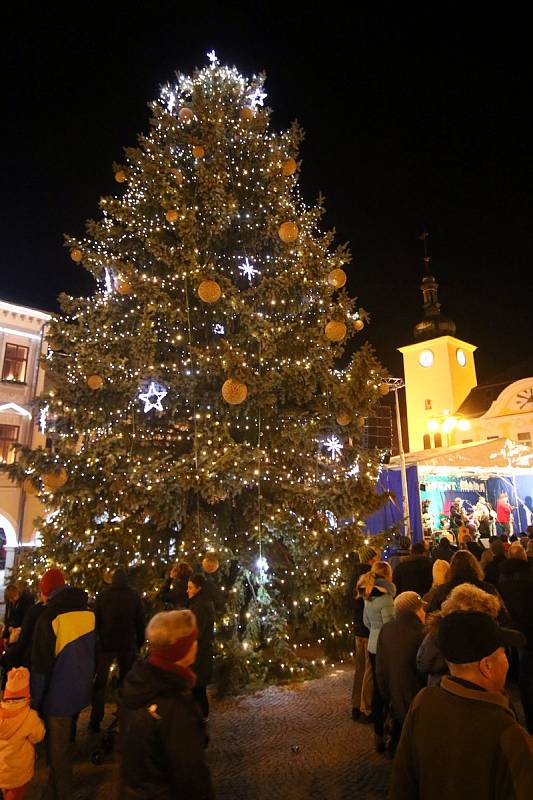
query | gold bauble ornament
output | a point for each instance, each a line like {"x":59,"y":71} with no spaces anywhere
{"x":172,"y":215}
{"x":384,"y":389}
{"x":29,"y":487}
{"x":120,"y":176}
{"x":198,"y":151}
{"x":358,"y":324}
{"x":337,"y":278}
{"x":289,"y":167}
{"x":234,"y":392}
{"x":335,"y":331}
{"x":177,"y":174}
{"x":210,"y":563}
{"x":95,"y":382}
{"x":288,"y":232}
{"x":246,"y":114}
{"x":343,"y":418}
{"x":76,"y":255}
{"x":361,"y":422}
{"x":122,"y":285}
{"x":185,"y":114}
{"x":55,"y":479}
{"x":209,"y":291}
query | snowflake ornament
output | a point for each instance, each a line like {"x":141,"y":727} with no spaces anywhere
{"x":334,"y":446}
{"x":212,"y":56}
{"x":152,"y":397}
{"x":248,"y":269}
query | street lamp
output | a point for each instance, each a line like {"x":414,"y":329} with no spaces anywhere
{"x":394,"y":384}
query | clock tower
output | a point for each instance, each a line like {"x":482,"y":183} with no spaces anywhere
{"x":439,"y":372}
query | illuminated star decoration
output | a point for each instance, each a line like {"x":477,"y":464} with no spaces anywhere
{"x":334,"y":446}
{"x":212,"y":56}
{"x":218,"y":328}
{"x":257,"y":98}
{"x":248,"y":269}
{"x":154,"y":391}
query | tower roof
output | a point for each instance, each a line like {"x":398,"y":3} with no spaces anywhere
{"x":433,"y":323}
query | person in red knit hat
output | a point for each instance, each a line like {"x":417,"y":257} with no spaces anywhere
{"x":20,"y":729}
{"x":62,"y":672}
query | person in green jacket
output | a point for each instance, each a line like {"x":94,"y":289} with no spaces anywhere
{"x":461,"y":739}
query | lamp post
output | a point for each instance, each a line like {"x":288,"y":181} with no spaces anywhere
{"x":394,"y":384}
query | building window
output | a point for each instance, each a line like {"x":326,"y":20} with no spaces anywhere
{"x":428,"y":405}
{"x":15,"y":363}
{"x":467,"y":441}
{"x":438,"y":440}
{"x":427,"y":441}
{"x":493,"y":437}
{"x":9,"y":435}
{"x":525,"y":438}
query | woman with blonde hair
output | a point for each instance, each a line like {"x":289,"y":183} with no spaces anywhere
{"x":377,"y":590}
{"x":441,"y":572}
{"x":465,"y":597}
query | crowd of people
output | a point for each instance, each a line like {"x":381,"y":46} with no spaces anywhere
{"x":435,"y":631}
{"x":434,"y":638}
{"x":58,"y":653}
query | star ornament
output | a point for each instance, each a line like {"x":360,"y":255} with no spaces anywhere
{"x":152,"y":397}
{"x":212,"y":56}
{"x":248,"y":269}
{"x":257,"y":98}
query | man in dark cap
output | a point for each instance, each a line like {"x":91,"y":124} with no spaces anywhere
{"x":461,"y":739}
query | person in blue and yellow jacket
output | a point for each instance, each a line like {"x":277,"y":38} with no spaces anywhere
{"x":62,"y":672}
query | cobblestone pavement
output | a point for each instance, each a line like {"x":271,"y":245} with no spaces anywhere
{"x":296,"y":742}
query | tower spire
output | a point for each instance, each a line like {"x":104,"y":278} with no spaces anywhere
{"x":434,"y":323}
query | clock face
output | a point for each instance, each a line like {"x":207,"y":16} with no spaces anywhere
{"x":425,"y":359}
{"x":461,"y":357}
{"x":524,"y":399}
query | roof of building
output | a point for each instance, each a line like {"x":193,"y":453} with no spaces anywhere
{"x":480,"y":399}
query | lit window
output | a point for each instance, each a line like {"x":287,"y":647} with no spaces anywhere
{"x":8,"y":437}
{"x":15,"y":363}
{"x":427,"y":441}
{"x":438,"y":440}
{"x":525,"y":437}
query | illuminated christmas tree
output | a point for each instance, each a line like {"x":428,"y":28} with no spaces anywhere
{"x":197,"y":404}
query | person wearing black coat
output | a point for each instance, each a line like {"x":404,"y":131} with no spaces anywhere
{"x":161,"y":733}
{"x":120,"y":634}
{"x":445,"y":549}
{"x":516,"y":588}
{"x":201,"y":605}
{"x":414,"y":573}
{"x":396,"y":666}
{"x":18,"y":602}
{"x":19,"y":653}
{"x":492,"y":568}
{"x":174,"y":590}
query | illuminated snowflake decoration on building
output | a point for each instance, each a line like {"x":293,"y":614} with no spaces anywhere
{"x":257,"y":98}
{"x":219,"y":329}
{"x":152,"y":397}
{"x":248,"y":269}
{"x":334,"y":447}
{"x":212,"y":56}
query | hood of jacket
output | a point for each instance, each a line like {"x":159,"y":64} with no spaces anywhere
{"x":516,"y":567}
{"x":68,"y":599}
{"x":146,"y":681}
{"x":381,"y":587}
{"x":12,"y":717}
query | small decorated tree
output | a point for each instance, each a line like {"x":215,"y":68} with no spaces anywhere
{"x":196,"y":404}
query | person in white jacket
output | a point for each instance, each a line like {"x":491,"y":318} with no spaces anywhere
{"x":377,"y":589}
{"x":20,"y":729}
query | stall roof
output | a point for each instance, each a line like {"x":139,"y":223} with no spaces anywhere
{"x":491,"y":454}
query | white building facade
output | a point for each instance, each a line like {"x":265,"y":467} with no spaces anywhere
{"x":22,"y":343}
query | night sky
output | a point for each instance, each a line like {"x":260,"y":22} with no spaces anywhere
{"x":415,"y":118}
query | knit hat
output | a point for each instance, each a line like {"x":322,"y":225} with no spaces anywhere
{"x":408,"y":601}
{"x":18,"y":684}
{"x":170,"y":636}
{"x":51,"y":580}
{"x":366,"y":554}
